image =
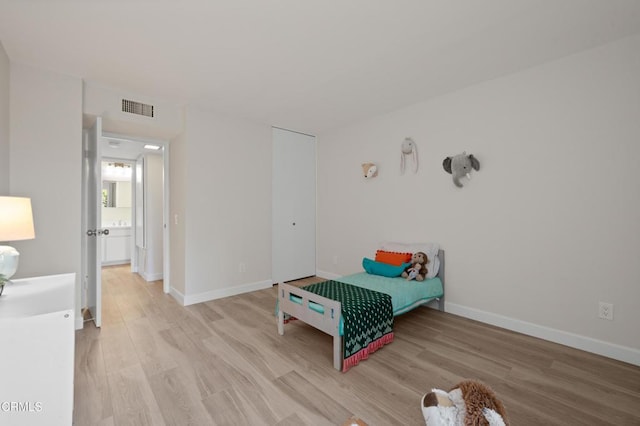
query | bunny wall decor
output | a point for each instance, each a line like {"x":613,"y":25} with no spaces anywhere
{"x":409,"y":148}
{"x":460,"y":166}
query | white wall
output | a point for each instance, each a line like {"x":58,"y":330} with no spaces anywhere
{"x":4,"y":121}
{"x":46,"y":160}
{"x":115,"y":216}
{"x":107,"y":103}
{"x":227,"y":212}
{"x":178,"y":201}
{"x":150,"y":258}
{"x":549,"y":225}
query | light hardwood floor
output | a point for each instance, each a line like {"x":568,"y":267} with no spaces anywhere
{"x":223,"y":363}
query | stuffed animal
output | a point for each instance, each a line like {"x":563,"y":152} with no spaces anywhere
{"x":413,"y":272}
{"x":460,"y":166}
{"x":409,"y":148}
{"x":418,"y":268}
{"x":468,"y":403}
{"x":370,"y":170}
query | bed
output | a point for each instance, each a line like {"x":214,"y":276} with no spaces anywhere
{"x":393,"y":296}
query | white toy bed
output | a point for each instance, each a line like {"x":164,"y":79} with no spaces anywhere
{"x":326,"y":314}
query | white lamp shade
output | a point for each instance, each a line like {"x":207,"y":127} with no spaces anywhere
{"x":16,"y":219}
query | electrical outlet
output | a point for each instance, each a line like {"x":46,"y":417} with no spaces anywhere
{"x":335,"y":259}
{"x":605,"y":311}
{"x":242,"y":267}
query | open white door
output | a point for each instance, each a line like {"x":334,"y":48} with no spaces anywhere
{"x":92,"y":218}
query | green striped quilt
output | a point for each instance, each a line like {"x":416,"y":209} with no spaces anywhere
{"x":367,"y":316}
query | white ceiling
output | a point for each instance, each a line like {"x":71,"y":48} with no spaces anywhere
{"x":115,"y":147}
{"x":303,"y":64}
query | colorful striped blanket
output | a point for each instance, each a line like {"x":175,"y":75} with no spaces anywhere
{"x":367,"y":317}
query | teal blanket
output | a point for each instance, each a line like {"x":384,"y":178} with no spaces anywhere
{"x":405,"y":295}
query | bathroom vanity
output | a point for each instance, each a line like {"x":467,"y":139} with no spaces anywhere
{"x":116,"y":247}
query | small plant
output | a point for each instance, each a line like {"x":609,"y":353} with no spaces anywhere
{"x":3,"y":281}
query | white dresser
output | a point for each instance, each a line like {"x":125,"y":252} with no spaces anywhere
{"x":37,"y":345}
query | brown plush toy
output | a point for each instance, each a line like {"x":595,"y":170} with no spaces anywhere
{"x":418,"y":268}
{"x":469,"y":403}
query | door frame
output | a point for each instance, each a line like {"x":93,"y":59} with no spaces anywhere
{"x":166,"y":201}
{"x":132,"y":163}
{"x":166,"y":252}
{"x":91,"y":170}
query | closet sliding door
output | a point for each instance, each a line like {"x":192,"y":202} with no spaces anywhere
{"x":294,"y":206}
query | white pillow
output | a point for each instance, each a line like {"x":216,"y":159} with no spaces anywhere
{"x":430,"y":249}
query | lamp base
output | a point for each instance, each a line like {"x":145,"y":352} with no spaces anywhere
{"x":8,"y":262}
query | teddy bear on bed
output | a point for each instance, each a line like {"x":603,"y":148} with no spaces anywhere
{"x":418,"y":268}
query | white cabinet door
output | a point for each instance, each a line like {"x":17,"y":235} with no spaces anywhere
{"x":117,"y":246}
{"x":294,"y":206}
{"x":118,"y":249}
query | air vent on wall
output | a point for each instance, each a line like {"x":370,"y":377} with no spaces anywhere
{"x":134,"y":107}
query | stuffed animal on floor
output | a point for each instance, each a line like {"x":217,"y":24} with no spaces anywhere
{"x":468,"y":403}
{"x":418,"y":268}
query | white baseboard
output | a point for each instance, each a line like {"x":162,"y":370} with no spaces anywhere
{"x":177,"y":295}
{"x":79,"y":322}
{"x":610,"y":350}
{"x":190,"y":299}
{"x":327,"y":275}
{"x":151,"y":277}
{"x":116,"y":262}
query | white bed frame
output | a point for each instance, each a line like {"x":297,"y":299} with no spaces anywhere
{"x":329,"y":321}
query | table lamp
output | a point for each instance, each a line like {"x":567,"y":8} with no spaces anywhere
{"x":16,"y":223}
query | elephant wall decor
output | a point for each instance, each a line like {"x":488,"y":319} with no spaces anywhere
{"x":460,"y":166}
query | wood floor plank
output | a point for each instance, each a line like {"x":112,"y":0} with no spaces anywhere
{"x":104,"y":422}
{"x":229,"y":408}
{"x":152,"y":350}
{"x":205,"y":312}
{"x":92,"y":395}
{"x":133,"y":400}
{"x":111,"y":314}
{"x":117,"y":347}
{"x":249,"y":346}
{"x":603,"y":391}
{"x":195,"y":361}
{"x":178,"y":405}
{"x":313,"y":399}
{"x":294,"y":420}
{"x":333,"y":383}
{"x":261,"y":392}
{"x":223,"y":362}
{"x":572,"y":396}
{"x":129,"y":307}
